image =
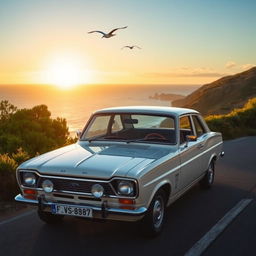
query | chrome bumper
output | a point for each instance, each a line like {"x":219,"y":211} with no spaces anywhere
{"x":102,"y":212}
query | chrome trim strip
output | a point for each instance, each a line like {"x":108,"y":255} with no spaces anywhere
{"x":181,"y":165}
{"x":138,"y":211}
{"x":193,"y":158}
{"x":34,"y":188}
{"x":22,"y":199}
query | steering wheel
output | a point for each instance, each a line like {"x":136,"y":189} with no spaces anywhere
{"x":151,"y":136}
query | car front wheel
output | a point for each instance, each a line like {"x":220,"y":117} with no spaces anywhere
{"x":154,"y":219}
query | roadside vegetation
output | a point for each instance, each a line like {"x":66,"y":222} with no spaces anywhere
{"x":25,"y":133}
{"x":238,"y":123}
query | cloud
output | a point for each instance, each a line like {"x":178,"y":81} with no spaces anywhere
{"x":230,"y":64}
{"x":186,"y":72}
{"x":247,"y":66}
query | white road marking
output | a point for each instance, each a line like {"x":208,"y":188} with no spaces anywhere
{"x":16,"y":217}
{"x":200,"y":246}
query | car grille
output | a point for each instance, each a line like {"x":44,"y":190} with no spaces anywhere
{"x":77,"y":186}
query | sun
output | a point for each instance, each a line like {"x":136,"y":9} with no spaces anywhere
{"x":67,"y":72}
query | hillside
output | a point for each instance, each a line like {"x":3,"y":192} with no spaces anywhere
{"x":223,"y":95}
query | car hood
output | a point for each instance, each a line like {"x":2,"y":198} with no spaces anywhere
{"x":94,"y":161}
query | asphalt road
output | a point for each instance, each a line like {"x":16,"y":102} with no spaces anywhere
{"x":189,"y":219}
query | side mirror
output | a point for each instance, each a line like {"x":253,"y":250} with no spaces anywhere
{"x":78,"y":134}
{"x":191,"y":138}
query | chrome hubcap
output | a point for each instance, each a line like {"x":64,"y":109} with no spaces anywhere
{"x":158,"y":212}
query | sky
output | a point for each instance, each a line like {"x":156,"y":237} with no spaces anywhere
{"x":182,"y":41}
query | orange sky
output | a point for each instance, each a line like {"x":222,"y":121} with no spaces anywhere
{"x":182,"y":42}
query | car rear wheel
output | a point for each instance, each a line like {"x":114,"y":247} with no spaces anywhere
{"x":154,"y":219}
{"x":208,"y":179}
{"x":49,"y":218}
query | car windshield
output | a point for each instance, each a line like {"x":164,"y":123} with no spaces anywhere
{"x":131,"y":128}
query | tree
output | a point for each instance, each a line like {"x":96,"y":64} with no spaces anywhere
{"x":6,"y":110}
{"x":30,"y":129}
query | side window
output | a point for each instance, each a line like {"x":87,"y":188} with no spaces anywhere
{"x":185,"y":128}
{"x":117,"y":124}
{"x":198,"y":126}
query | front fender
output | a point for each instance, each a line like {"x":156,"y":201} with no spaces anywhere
{"x":156,"y":188}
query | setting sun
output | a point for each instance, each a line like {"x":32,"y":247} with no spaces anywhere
{"x":66,"y":73}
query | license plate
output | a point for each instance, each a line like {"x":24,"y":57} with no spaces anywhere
{"x":63,"y":209}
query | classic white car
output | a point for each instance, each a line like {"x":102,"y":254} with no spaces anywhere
{"x":129,"y":164}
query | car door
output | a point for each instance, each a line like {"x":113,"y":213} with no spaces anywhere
{"x":202,"y":145}
{"x":188,"y":151}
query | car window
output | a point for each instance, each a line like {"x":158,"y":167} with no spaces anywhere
{"x":147,"y":121}
{"x":98,"y":126}
{"x":117,"y":124}
{"x":198,"y":126}
{"x":131,"y":127}
{"x":185,"y":128}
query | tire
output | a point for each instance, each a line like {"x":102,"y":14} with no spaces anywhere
{"x":50,"y":218}
{"x":153,"y":222}
{"x":208,"y":179}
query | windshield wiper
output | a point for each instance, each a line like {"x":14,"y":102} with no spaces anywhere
{"x":95,"y":139}
{"x":134,"y":140}
{"x":107,"y":138}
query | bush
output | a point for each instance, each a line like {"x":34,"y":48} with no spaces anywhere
{"x":8,"y":183}
{"x":21,"y":156}
{"x":238,"y":123}
{"x":31,"y":129}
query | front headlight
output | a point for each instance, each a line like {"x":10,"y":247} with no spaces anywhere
{"x":29,"y":179}
{"x":125,"y":188}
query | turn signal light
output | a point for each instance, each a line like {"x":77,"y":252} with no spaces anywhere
{"x":30,"y":194}
{"x":127,"y":204}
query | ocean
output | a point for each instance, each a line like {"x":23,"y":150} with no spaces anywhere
{"x":77,"y":104}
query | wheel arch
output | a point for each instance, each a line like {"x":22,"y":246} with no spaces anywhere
{"x":165,"y":185}
{"x":212,"y":158}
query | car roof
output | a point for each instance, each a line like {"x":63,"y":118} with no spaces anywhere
{"x":148,"y":110}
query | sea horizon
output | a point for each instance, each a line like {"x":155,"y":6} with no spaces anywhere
{"x":77,"y":104}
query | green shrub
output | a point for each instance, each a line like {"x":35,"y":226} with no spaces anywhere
{"x":21,"y":156}
{"x":31,"y":129}
{"x":8,"y":183}
{"x":238,"y":123}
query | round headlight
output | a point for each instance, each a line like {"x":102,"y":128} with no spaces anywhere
{"x":97,"y":190}
{"x":125,"y":188}
{"x":47,"y":186}
{"x":29,"y":179}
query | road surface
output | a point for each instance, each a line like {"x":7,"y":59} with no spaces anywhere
{"x":189,"y":220}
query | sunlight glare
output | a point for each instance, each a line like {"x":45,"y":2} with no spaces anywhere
{"x":67,"y":73}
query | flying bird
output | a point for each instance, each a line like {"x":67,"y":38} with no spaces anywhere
{"x":131,"y":47}
{"x":107,"y":35}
